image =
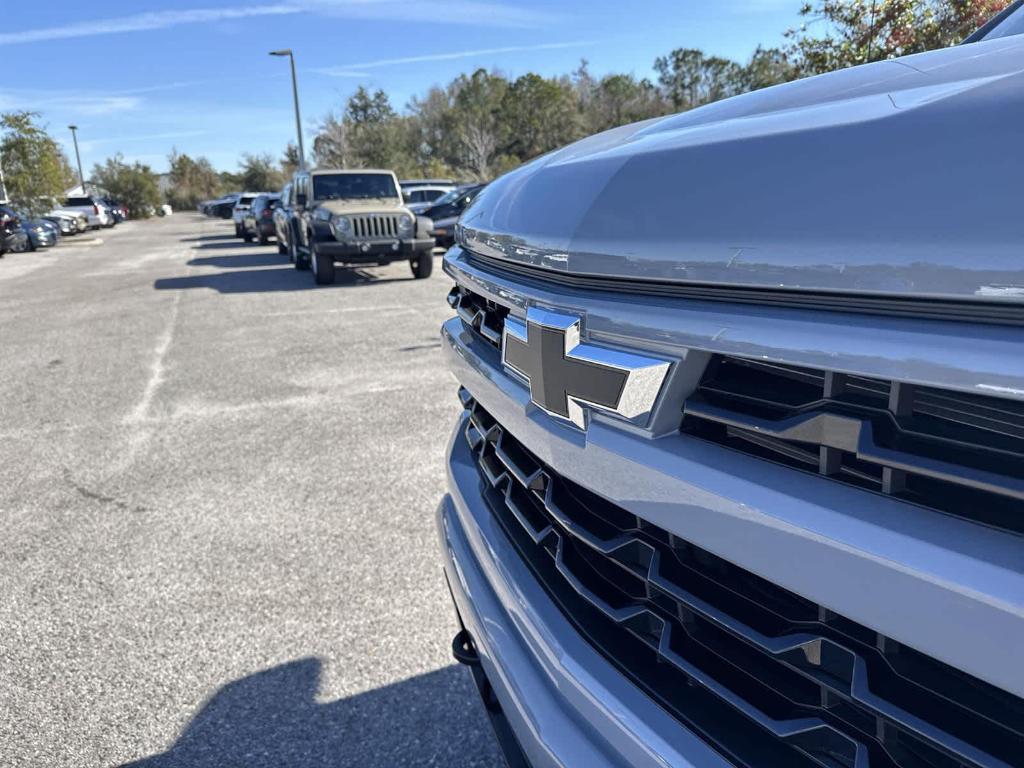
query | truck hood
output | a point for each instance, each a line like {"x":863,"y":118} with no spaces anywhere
{"x":898,"y":178}
{"x":355,"y":207}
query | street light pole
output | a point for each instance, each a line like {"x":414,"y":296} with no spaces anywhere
{"x":295,"y":96}
{"x":78,"y":157}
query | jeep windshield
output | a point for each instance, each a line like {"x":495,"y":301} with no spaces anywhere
{"x":354,"y":186}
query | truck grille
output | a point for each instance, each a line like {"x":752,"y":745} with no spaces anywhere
{"x":958,"y":453}
{"x":481,"y":316}
{"x":767,"y":677}
{"x":375,"y":226}
{"x":954,"y":452}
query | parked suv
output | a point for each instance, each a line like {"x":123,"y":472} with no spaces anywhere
{"x":739,"y":475}
{"x":258,"y":221}
{"x":92,"y":208}
{"x":281,"y":217}
{"x":240,"y":208}
{"x":355,"y":218}
{"x":419,"y":198}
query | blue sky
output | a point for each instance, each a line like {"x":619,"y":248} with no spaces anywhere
{"x":140,"y":77}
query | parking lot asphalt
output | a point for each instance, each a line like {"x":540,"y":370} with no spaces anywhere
{"x":217,"y":495}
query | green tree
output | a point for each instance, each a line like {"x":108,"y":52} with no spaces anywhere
{"x":541,"y":114}
{"x":36,"y":172}
{"x":620,"y":99}
{"x":330,"y":145}
{"x":768,"y":66}
{"x":434,"y":136}
{"x":290,"y":160}
{"x":376,"y":136}
{"x":259,"y":173}
{"x":191,"y":180}
{"x":134,"y":185}
{"x":858,"y":31}
{"x":690,"y":78}
{"x":477,"y":122}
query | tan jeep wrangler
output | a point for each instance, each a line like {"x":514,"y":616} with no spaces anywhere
{"x":355,"y":218}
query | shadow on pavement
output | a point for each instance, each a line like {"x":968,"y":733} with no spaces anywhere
{"x":232,"y":242}
{"x":273,"y":718}
{"x":286,"y":278}
{"x":260,"y":259}
{"x":204,"y":238}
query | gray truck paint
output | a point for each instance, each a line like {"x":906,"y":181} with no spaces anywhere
{"x":896,"y":179}
{"x":900,"y":177}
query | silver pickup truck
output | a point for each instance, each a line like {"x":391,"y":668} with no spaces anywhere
{"x":739,"y":479}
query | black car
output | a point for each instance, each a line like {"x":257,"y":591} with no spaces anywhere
{"x":222,"y":207}
{"x":446,"y":211}
{"x":117,"y":210}
{"x":258,"y":221}
{"x":12,"y":236}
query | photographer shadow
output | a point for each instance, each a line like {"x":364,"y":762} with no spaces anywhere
{"x":272,"y":718}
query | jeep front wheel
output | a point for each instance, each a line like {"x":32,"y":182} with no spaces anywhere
{"x":322,"y":266}
{"x":422,"y":265}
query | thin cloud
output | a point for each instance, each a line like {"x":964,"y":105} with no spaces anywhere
{"x":150,"y":137}
{"x":142,"y":22}
{"x":78,"y":103}
{"x":448,"y":12}
{"x":356,"y":70}
{"x":493,"y":14}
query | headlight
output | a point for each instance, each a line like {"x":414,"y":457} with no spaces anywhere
{"x":342,"y":226}
{"x":405,"y":226}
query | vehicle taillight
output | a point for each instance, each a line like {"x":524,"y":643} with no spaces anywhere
{"x":95,"y":209}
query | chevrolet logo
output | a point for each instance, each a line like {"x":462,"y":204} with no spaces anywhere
{"x":565,"y":375}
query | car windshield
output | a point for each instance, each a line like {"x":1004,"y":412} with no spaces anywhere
{"x":449,"y":197}
{"x":354,"y":186}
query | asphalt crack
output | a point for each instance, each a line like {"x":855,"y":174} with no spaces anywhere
{"x":100,"y":498}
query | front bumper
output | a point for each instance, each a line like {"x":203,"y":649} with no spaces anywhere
{"x":42,"y":239}
{"x":565,"y":703}
{"x":942,"y":586}
{"x":374,"y":252}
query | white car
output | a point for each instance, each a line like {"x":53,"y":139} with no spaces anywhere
{"x":420,"y":197}
{"x":92,"y":208}
{"x":70,"y":223}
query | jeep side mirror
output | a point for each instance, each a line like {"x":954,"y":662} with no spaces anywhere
{"x":300,"y":199}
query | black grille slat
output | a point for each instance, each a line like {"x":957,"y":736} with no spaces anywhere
{"x":793,"y":672}
{"x":375,"y":226}
{"x":957,"y":453}
{"x":485,"y":318}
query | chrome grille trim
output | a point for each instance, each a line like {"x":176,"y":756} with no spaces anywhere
{"x":846,"y":721}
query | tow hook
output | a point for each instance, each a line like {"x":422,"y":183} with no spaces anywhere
{"x":463,"y":649}
{"x":464,"y":652}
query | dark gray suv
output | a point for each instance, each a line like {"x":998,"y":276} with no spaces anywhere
{"x":739,"y":475}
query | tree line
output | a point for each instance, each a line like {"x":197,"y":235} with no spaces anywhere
{"x":483,"y":123}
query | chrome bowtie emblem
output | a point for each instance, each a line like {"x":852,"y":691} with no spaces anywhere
{"x":566,"y":375}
